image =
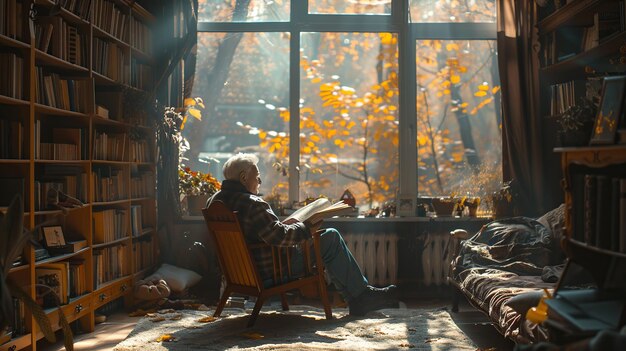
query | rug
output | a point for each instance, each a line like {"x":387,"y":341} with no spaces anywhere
{"x":301,"y":328}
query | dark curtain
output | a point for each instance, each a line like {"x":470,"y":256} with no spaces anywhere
{"x":192,"y":48}
{"x":522,"y":139}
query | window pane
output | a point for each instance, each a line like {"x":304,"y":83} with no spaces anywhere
{"x":458,"y":127}
{"x":360,"y":7}
{"x":241,"y":100}
{"x":348,"y":121}
{"x":476,"y":11}
{"x":256,"y":11}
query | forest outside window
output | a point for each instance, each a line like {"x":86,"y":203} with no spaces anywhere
{"x":351,"y":125}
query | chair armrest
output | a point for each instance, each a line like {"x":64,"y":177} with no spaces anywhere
{"x":460,"y":234}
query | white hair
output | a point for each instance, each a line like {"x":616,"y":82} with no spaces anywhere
{"x":239,"y":163}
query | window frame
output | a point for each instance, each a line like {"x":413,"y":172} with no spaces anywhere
{"x":397,"y":22}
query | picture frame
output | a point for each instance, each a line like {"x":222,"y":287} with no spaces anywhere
{"x":406,"y":206}
{"x":53,"y":236}
{"x":609,"y":111}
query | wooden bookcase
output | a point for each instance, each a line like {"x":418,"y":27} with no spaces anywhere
{"x":71,"y":117}
{"x":582,"y":42}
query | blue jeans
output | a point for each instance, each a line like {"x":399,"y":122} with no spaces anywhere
{"x":341,"y":266}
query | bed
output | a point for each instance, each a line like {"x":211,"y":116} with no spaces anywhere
{"x":504,"y":267}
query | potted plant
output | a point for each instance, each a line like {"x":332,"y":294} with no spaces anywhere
{"x":196,"y":187}
{"x":576,"y":123}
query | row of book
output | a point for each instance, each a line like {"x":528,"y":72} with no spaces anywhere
{"x":569,"y":41}
{"x":136,"y":222}
{"x":73,"y":185}
{"x":599,"y":212}
{"x":109,"y":59}
{"x":109,"y":18}
{"x":109,"y":146}
{"x":11,"y":139}
{"x":140,"y":36}
{"x":109,"y":225}
{"x":12,"y":70}
{"x":78,"y":7}
{"x":65,"y":278}
{"x":109,"y":184}
{"x":109,"y":263}
{"x":11,"y":14}
{"x":140,"y":151}
{"x":67,"y":94}
{"x":142,"y":185}
{"x":141,"y":75}
{"x":59,"y":38}
{"x":143,"y":254}
{"x":60,"y":143}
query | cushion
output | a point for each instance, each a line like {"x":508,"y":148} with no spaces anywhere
{"x":177,"y":278}
{"x":149,"y":290}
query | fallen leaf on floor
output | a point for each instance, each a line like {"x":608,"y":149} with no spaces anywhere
{"x":410,"y":346}
{"x":412,"y":329}
{"x":207,"y":319}
{"x":254,"y":336}
{"x":137,"y":313}
{"x":157,"y":319}
{"x":150,"y":315}
{"x":428,"y":341}
{"x":166,"y":338}
{"x":168,"y":310}
{"x":203,"y":308}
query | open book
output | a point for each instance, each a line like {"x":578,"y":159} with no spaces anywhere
{"x":320,"y":209}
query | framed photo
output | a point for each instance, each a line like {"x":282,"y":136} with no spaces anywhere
{"x":406,"y":206}
{"x":610,"y":110}
{"x":53,"y":236}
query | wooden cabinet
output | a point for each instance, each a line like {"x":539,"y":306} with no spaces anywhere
{"x":74,"y":98}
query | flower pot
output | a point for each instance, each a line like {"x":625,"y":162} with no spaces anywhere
{"x":579,"y":137}
{"x":444,"y":206}
{"x":195,"y":204}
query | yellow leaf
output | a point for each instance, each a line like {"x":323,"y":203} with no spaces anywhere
{"x":165,"y":338}
{"x":195,"y":113}
{"x":190,"y":102}
{"x":315,"y":137}
{"x":452,"y":46}
{"x":455,"y":79}
{"x":483,"y":87}
{"x":326,"y":87}
{"x":316,"y":80}
{"x":262,"y":134}
{"x":495,"y":90}
{"x":207,"y":319}
{"x":480,"y":93}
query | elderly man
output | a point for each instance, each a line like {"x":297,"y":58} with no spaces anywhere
{"x":260,"y":225}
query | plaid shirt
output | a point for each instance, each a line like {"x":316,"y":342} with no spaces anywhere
{"x":259,"y":224}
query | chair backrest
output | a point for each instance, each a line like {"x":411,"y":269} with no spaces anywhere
{"x":232,"y":251}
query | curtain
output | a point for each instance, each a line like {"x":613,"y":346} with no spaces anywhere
{"x":191,"y":12}
{"x":522,"y":139}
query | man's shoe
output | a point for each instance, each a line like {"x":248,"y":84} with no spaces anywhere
{"x":374,"y":298}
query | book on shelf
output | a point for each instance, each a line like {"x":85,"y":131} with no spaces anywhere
{"x":102,"y":111}
{"x":68,"y":247}
{"x":53,"y":275}
{"x":320,"y":209}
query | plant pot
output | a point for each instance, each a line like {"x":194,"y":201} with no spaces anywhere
{"x":195,"y":204}
{"x":579,"y":137}
{"x":444,"y":206}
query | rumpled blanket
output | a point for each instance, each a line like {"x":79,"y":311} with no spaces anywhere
{"x":519,"y":245}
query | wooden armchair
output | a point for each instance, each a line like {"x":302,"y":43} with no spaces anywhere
{"x":239,"y":269}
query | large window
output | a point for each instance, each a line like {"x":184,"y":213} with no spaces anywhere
{"x":333,"y":73}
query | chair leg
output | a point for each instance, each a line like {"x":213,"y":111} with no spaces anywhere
{"x":222,"y":303}
{"x":283,"y":300}
{"x":256,"y":310}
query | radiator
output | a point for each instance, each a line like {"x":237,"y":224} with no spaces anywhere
{"x":436,"y":257}
{"x":377,"y":255}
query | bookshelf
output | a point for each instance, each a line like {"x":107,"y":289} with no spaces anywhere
{"x":70,"y":121}
{"x":583,"y":41}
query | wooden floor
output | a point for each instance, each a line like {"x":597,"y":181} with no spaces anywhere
{"x":118,"y":325}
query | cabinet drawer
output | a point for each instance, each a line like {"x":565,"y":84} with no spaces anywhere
{"x":16,"y":344}
{"x":77,"y":309}
{"x":102,"y":297}
{"x":120,"y":288}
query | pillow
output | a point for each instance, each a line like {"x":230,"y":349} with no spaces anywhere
{"x":555,"y":221}
{"x":177,"y":278}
